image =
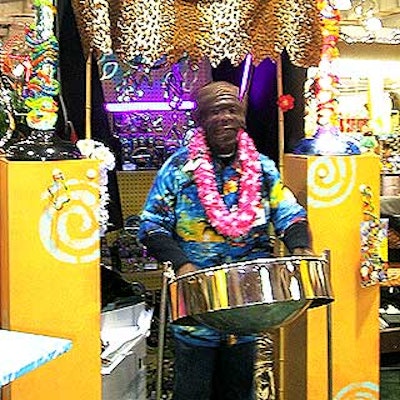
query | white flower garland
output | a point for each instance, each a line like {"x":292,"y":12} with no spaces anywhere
{"x":98,"y":151}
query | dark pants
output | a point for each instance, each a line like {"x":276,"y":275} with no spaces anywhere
{"x":222,"y":373}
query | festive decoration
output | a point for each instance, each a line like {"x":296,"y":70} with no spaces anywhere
{"x":42,"y":114}
{"x":238,"y":221}
{"x":148,"y":31}
{"x":98,"y":31}
{"x":374,"y":232}
{"x":285,"y":102}
{"x":29,"y":90}
{"x":7,"y":121}
{"x":42,"y":85}
{"x":96,"y":150}
{"x":58,"y":190}
{"x":326,"y":80}
{"x":15,"y":65}
{"x":321,"y":94}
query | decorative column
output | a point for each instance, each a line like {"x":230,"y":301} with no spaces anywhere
{"x":49,"y":271}
{"x":332,"y":352}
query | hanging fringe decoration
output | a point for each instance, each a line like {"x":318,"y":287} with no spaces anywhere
{"x":148,"y":30}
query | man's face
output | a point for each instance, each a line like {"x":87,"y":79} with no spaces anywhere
{"x":222,"y":116}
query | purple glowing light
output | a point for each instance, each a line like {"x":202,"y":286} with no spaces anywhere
{"x":245,"y":77}
{"x":148,"y":106}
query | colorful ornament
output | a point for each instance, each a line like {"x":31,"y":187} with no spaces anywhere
{"x":93,"y":149}
{"x":323,"y":87}
{"x":285,"y":102}
{"x":374,"y":265}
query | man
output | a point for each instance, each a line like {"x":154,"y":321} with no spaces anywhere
{"x":212,"y":203}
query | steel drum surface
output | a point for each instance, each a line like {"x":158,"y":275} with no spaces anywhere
{"x":250,"y":297}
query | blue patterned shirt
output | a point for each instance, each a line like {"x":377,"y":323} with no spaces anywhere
{"x":173,"y":208}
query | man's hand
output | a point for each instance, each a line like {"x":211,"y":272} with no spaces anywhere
{"x":302,"y":251}
{"x":186,"y":269}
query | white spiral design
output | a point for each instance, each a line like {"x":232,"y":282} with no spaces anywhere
{"x":330,"y":180}
{"x":71,"y":233}
{"x":359,"y":391}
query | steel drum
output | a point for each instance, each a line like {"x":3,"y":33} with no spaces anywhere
{"x":250,"y":297}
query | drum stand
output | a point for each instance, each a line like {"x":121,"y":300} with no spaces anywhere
{"x":329,"y":350}
{"x":327,"y":255}
{"x":167,"y":268}
{"x":167,"y":275}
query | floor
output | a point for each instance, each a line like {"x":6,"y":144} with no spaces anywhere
{"x":264,"y":375}
{"x":389,"y":385}
{"x":390,"y":376}
{"x":390,"y":371}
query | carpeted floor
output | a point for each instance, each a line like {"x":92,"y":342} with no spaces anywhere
{"x":265,"y":384}
{"x":264,"y":376}
{"x":390,"y":371}
{"x":390,"y":376}
{"x":389,"y":385}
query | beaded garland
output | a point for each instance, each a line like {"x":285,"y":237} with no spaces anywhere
{"x":235,"y":222}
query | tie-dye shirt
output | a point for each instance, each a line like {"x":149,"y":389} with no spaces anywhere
{"x":173,"y":208}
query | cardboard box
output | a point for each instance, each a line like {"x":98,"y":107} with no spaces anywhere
{"x":127,"y":381}
{"x":123,"y":333}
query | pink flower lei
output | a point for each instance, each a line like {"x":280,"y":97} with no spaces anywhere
{"x":238,"y":221}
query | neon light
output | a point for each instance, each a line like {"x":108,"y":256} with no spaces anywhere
{"x":245,"y":77}
{"x":147,"y":106}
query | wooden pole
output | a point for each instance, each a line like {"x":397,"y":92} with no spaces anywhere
{"x":281,"y":125}
{"x":281,"y":147}
{"x":88,"y":104}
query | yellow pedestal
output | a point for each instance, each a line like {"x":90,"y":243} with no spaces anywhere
{"x":345,"y":366}
{"x":49,"y":272}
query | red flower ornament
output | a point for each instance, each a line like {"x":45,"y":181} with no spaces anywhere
{"x":285,"y":102}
